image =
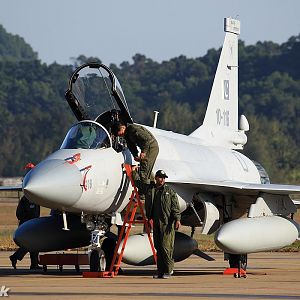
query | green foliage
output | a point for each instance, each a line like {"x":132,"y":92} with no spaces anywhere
{"x":14,"y":48}
{"x":35,"y":117}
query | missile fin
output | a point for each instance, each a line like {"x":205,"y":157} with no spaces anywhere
{"x":203,"y":255}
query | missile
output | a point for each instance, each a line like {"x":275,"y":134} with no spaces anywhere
{"x":138,"y":251}
{"x":250,"y":235}
{"x":46,"y":234}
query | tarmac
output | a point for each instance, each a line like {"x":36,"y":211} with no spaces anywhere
{"x":272,"y":275}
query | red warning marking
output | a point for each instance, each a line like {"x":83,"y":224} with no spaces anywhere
{"x":73,"y":159}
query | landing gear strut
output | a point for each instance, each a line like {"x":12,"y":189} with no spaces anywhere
{"x":237,"y":263}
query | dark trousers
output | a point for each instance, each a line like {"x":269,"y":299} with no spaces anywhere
{"x":21,"y":252}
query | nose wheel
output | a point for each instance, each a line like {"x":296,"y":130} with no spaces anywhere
{"x":96,"y":254}
{"x":97,"y":260}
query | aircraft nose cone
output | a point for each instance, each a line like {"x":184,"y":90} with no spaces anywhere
{"x":53,"y":183}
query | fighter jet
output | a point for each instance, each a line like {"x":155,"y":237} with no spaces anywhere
{"x":220,"y":190}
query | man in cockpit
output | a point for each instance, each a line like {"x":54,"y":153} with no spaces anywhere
{"x":136,"y":135}
{"x":86,"y":137}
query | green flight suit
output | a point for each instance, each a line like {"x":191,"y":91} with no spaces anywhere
{"x":162,"y":207}
{"x":136,"y":135}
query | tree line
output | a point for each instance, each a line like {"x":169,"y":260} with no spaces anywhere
{"x":35,"y":116}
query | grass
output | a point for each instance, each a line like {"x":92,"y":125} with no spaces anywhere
{"x":6,"y":239}
{"x":9,"y":223}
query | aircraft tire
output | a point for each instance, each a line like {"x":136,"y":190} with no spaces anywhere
{"x":108,"y":247}
{"x":97,"y":261}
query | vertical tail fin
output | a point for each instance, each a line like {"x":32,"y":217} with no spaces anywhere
{"x":222,"y":109}
{"x":221,"y":118}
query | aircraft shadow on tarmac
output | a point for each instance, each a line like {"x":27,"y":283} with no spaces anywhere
{"x":125,"y":272}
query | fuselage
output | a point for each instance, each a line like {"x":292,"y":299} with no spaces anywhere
{"x":188,"y":159}
{"x":93,"y":180}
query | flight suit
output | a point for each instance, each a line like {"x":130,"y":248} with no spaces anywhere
{"x":136,"y":135}
{"x":26,"y":210}
{"x":162,"y":207}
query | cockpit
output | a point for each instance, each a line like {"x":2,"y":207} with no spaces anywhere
{"x":86,"y":135}
{"x":94,"y":93}
{"x":96,"y":97}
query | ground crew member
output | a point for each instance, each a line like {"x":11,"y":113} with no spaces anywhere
{"x":136,"y":135}
{"x":163,"y":208}
{"x":26,"y":210}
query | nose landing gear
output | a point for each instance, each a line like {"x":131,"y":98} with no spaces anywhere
{"x":97,"y":260}
{"x":98,"y":227}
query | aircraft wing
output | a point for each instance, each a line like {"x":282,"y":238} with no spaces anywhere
{"x":11,"y":188}
{"x":241,"y":188}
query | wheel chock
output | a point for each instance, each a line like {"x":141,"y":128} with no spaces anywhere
{"x":98,"y":274}
{"x":235,"y":272}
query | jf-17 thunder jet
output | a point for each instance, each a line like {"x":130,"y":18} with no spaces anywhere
{"x":219,"y":189}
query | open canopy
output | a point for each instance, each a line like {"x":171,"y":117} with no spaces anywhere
{"x":94,"y":93}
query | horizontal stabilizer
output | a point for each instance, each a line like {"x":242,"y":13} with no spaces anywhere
{"x":203,"y":255}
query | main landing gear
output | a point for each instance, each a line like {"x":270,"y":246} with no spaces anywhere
{"x":237,"y":263}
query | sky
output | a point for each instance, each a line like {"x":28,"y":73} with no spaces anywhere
{"x":116,"y":30}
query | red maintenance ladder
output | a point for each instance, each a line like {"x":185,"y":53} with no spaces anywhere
{"x":131,"y":209}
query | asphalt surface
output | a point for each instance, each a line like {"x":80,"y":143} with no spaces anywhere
{"x":269,"y":276}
